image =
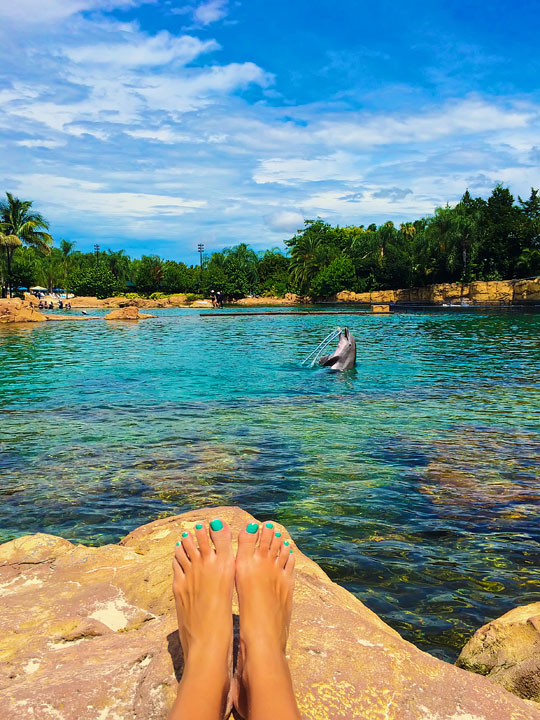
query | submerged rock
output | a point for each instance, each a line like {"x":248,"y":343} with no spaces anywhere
{"x":507,"y":650}
{"x":90,"y":633}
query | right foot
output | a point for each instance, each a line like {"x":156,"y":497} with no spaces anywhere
{"x":265,"y":584}
{"x":203,"y":587}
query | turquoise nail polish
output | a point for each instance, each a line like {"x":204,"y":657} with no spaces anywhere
{"x":198,"y":526}
{"x":178,"y":543}
{"x":286,"y":542}
{"x":291,"y":549}
{"x":252,"y":528}
{"x":185,"y":534}
{"x":278,"y":534}
{"x":269,"y":525}
{"x":216,"y":525}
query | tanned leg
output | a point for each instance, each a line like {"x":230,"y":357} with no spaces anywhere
{"x":263,"y":687}
{"x":203,"y":586}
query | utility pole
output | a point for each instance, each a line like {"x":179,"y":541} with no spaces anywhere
{"x":200,"y":248}
{"x":96,"y":251}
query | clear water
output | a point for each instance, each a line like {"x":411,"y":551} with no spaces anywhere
{"x":413,"y":481}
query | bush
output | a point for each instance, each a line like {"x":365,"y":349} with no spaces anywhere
{"x":191,"y":297}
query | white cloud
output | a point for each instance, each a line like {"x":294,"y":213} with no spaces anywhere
{"x":39,"y":143}
{"x":210,"y":11}
{"x":288,"y":221}
{"x":49,"y":11}
{"x":137,"y":50}
{"x":465,"y":116}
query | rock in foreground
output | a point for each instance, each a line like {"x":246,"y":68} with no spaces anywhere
{"x":508,"y":651}
{"x":90,"y":633}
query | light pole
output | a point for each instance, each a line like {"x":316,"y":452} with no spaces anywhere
{"x":200,"y":248}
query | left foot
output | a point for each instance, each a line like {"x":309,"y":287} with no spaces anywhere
{"x":203,"y":588}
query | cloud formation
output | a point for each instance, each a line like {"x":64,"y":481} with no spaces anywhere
{"x":160,"y":138}
{"x":210,"y":11}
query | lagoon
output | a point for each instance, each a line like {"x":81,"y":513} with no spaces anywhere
{"x":414,"y":481}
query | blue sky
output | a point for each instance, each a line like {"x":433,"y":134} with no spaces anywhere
{"x":153,"y":126}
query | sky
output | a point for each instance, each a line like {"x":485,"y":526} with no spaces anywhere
{"x":155,"y":125}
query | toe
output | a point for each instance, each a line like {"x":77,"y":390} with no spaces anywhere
{"x":284,"y":554}
{"x":289,"y":567}
{"x":221,"y":536}
{"x":247,"y":540}
{"x":189,"y":546}
{"x":275,"y":545}
{"x":266,"y":537}
{"x":202,"y":538}
{"x":181,"y":558}
{"x":179,"y":577}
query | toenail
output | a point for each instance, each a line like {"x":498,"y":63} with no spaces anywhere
{"x":278,"y":534}
{"x":178,"y":543}
{"x":252,"y":528}
{"x":198,"y":526}
{"x":286,"y":542}
{"x":216,"y":525}
{"x":291,"y":549}
{"x":269,"y":525}
{"x":185,"y":534}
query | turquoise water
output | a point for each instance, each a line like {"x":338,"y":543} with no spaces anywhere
{"x":413,"y":481}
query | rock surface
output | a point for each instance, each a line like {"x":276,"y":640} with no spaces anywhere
{"x":508,"y":651}
{"x":121,"y":302}
{"x":127,"y":313}
{"x":90,"y":634}
{"x":15,"y":310}
{"x":496,"y":292}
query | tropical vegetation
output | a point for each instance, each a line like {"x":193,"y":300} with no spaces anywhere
{"x":477,"y":239}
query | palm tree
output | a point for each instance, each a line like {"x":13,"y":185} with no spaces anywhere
{"x":306,"y":260}
{"x":8,"y":245}
{"x":17,"y":219}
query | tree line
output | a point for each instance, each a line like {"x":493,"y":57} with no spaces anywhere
{"x":477,"y":239}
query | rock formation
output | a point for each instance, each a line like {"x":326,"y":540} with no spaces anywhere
{"x":127,"y":313}
{"x":496,"y":292}
{"x":90,"y":634}
{"x":15,"y":310}
{"x":507,"y":650}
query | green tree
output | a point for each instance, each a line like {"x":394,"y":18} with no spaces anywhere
{"x":273,"y":272}
{"x":177,"y":278}
{"x":94,"y":281}
{"x":17,"y":219}
{"x":339,"y":275}
{"x":310,"y":249}
{"x":149,"y":276}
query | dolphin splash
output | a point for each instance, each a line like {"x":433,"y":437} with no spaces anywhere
{"x":344,"y":356}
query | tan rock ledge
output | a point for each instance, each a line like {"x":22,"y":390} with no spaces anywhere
{"x":88,"y":633}
{"x":507,"y":650}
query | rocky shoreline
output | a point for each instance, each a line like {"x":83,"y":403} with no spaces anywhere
{"x":90,"y":633}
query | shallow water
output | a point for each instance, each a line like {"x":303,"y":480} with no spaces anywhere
{"x":413,"y":481}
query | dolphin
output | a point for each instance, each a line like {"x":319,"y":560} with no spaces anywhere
{"x":344,"y":357}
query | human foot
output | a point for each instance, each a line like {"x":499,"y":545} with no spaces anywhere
{"x":203,"y":586}
{"x":265,"y":583}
